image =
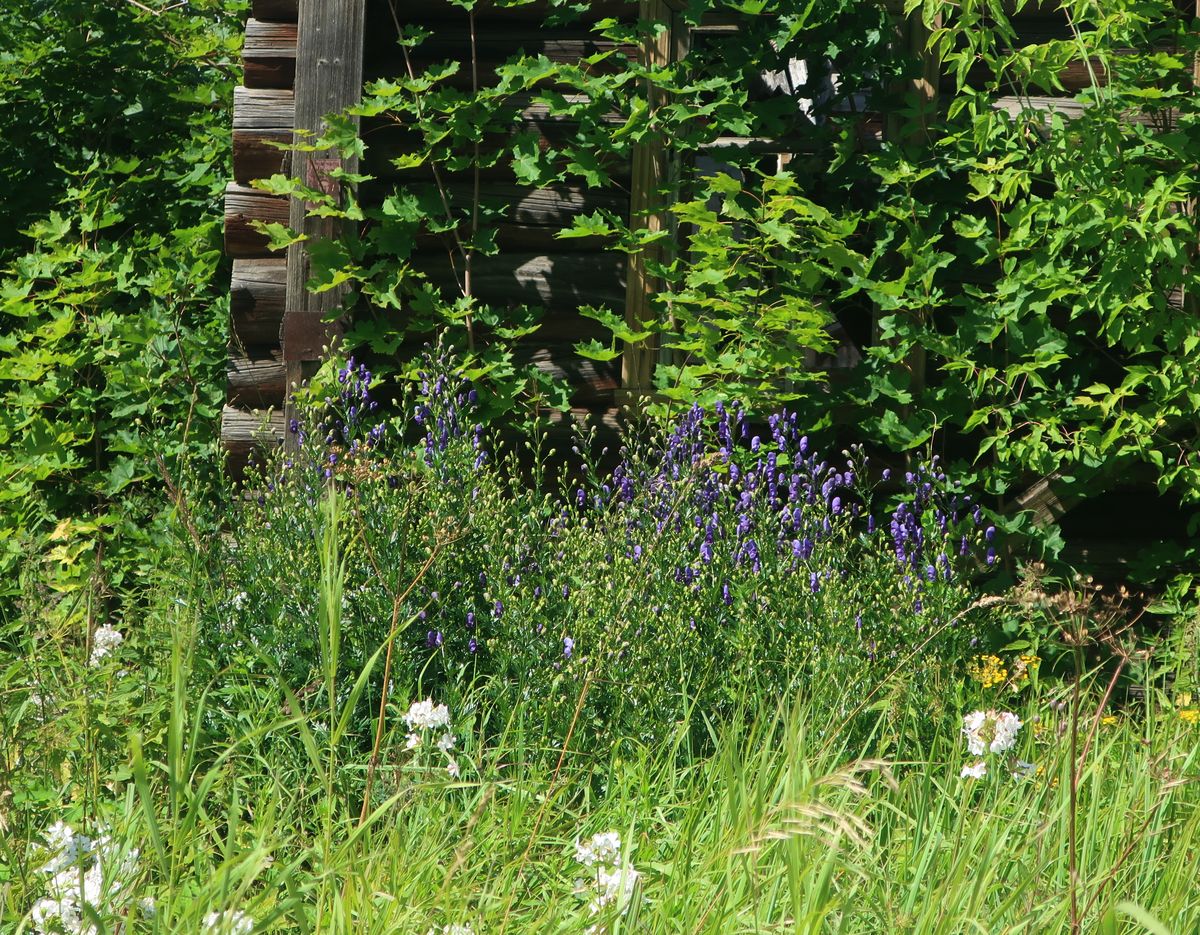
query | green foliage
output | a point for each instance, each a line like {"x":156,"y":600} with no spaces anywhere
{"x":114,"y":139}
{"x":1019,"y":283}
{"x":745,"y":305}
{"x":1042,"y":263}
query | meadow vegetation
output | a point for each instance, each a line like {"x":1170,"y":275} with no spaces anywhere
{"x":724,"y":686}
{"x":419,"y":674}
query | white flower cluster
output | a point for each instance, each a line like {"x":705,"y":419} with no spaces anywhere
{"x":988,"y":732}
{"x":229,"y":922}
{"x":80,"y":872}
{"x":105,"y":641}
{"x":452,"y":929}
{"x":615,"y":881}
{"x":423,"y":716}
{"x":976,"y":770}
{"x":603,"y":848}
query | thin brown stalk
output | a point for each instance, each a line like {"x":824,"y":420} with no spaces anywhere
{"x":1072,"y":815}
{"x":381,"y":718}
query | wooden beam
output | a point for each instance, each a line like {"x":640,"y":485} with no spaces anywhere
{"x":329,"y":67}
{"x":1048,"y":499}
{"x":646,"y":211}
{"x":242,"y":432}
{"x":263,"y":108}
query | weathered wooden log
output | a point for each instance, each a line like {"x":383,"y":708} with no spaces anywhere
{"x":245,"y":431}
{"x":269,"y":54}
{"x":256,"y":300}
{"x":386,"y":141}
{"x":263,"y":108}
{"x":593,"y":383}
{"x":260,"y":154}
{"x":255,"y":377}
{"x":559,"y":283}
{"x":525,"y":220}
{"x":242,"y":207}
{"x":488,"y":13}
{"x":1065,"y":107}
{"x":284,"y":10}
{"x":493,"y":49}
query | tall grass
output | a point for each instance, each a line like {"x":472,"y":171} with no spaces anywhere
{"x":768,"y":822}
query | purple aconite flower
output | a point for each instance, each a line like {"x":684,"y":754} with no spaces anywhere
{"x":433,"y":639}
{"x":568,"y":646}
{"x":472,"y":645}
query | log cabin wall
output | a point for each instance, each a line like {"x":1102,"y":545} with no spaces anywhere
{"x":263,"y":121}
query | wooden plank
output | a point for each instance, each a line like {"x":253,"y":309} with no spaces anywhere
{"x":269,"y":54}
{"x":1070,"y":109}
{"x":527,"y":220}
{"x":593,"y":383}
{"x":329,"y":68}
{"x":285,"y":10}
{"x":255,"y":377}
{"x":263,"y":108}
{"x":1048,"y":499}
{"x":243,"y":206}
{"x":646,"y":212}
{"x":554,"y":206}
{"x":520,"y":238}
{"x":256,"y":300}
{"x":262,"y":122}
{"x":386,"y":143}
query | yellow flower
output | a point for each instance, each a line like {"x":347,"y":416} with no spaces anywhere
{"x":1189,"y":715}
{"x":1108,"y":720}
{"x":988,"y":671}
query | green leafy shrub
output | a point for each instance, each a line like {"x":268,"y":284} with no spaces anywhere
{"x":1017,"y":284}
{"x":114,"y":142}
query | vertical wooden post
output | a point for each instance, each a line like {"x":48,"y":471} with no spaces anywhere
{"x":914,"y":34}
{"x":646,"y":211}
{"x":329,"y":66}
